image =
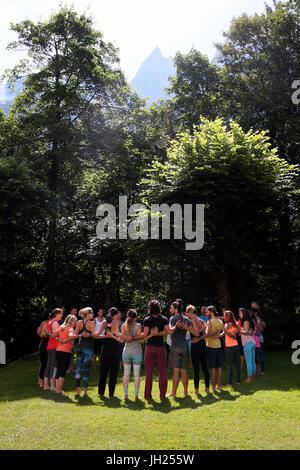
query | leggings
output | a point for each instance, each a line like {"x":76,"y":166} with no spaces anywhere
{"x":199,"y":356}
{"x":260,"y":354}
{"x":136,"y":362}
{"x":43,"y":362}
{"x":50,"y":371}
{"x":233,"y":357}
{"x":249,"y":352}
{"x":83,"y":364}
{"x":110,"y":363}
{"x":63,"y":361}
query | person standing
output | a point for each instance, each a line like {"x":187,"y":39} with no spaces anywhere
{"x":155,"y":327}
{"x":85,"y":329}
{"x":231,"y":329}
{"x":132,"y":352}
{"x":178,"y":357}
{"x":198,"y":349}
{"x":214,"y":349}
{"x":43,"y":334}
{"x":260,"y":326}
{"x":98,"y":343}
{"x":73,"y":311}
{"x":110,"y":357}
{"x":203,"y":315}
{"x":248,"y":341}
{"x":52,"y":330}
{"x":66,"y":336}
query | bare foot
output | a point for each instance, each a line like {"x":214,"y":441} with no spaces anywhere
{"x":47,"y":388}
{"x":238,"y":383}
{"x":171,"y":395}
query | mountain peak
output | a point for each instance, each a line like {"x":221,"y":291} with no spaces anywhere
{"x":152,"y":76}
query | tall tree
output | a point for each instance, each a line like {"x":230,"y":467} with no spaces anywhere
{"x":70,"y":70}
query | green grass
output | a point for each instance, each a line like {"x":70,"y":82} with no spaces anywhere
{"x":264,"y":415}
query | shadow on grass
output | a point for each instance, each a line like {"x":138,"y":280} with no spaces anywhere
{"x":19,"y":382}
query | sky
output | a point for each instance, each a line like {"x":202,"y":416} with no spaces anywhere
{"x":136,"y":27}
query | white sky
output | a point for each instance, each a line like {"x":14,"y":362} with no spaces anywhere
{"x":136,"y":27}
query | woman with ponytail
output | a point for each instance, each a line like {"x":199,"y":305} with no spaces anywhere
{"x":132,"y":352}
{"x":85,"y":330}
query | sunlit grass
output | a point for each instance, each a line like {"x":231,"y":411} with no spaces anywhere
{"x":264,"y":415}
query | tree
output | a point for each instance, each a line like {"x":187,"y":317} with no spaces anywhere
{"x":71,"y":70}
{"x":243,"y":184}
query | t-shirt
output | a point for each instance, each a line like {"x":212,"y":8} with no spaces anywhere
{"x":158,"y":321}
{"x":229,"y":342}
{"x":178,"y":338}
{"x":216,"y":327}
{"x":64,"y":334}
{"x":203,"y":317}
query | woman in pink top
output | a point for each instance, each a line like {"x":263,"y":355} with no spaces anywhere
{"x":52,"y":329}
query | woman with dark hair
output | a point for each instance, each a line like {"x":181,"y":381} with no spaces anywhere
{"x":52,"y":330}
{"x":43,"y":334}
{"x":231,"y":330}
{"x":132,"y":352}
{"x":248,"y":342}
{"x":198,"y":349}
{"x":98,"y":343}
{"x":110,"y":358}
{"x":155,"y":327}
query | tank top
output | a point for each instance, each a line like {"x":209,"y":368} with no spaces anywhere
{"x":85,"y":343}
{"x":247,"y":339}
{"x":216,"y":326}
{"x":64,"y":334}
{"x":229,"y":342}
{"x":133,"y":348}
{"x":98,"y":324}
{"x":52,"y":343}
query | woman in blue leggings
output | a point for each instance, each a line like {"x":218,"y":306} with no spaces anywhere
{"x":85,"y":328}
{"x":249,"y":345}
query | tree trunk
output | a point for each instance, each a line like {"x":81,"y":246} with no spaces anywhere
{"x":222,"y":289}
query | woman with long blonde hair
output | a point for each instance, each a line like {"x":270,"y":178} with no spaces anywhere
{"x":85,"y":329}
{"x":132,"y":352}
{"x":66,"y":336}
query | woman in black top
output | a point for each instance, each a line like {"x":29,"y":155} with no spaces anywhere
{"x":110,"y":358}
{"x":198,"y":349}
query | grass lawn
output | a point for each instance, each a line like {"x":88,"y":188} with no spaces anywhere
{"x":264,"y":415}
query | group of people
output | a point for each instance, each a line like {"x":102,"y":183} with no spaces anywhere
{"x":182,"y":339}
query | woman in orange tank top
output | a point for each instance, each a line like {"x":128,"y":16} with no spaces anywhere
{"x":66,"y":336}
{"x":231,"y":330}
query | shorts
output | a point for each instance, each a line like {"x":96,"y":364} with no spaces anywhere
{"x":178,"y":358}
{"x":98,"y":344}
{"x":214,"y":357}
